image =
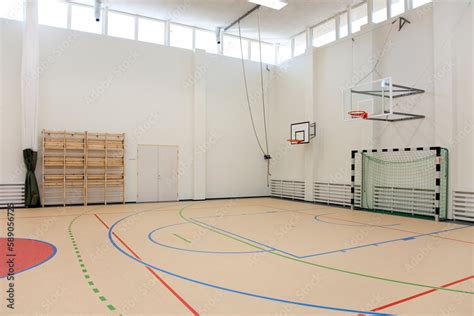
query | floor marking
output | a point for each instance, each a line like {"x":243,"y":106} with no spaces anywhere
{"x":323,"y":266}
{"x":332,"y":251}
{"x":86,"y":276}
{"x":408,"y":231}
{"x":420,"y":294}
{"x":111,"y":234}
{"x":182,"y":238}
{"x":317,"y":217}
{"x":189,"y":307}
{"x":150,"y":237}
{"x":27,"y":268}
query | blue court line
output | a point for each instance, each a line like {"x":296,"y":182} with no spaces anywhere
{"x":55,"y":250}
{"x":317,"y":217}
{"x":110,"y":232}
{"x":150,"y":237}
{"x":243,"y":214}
{"x":338,"y":250}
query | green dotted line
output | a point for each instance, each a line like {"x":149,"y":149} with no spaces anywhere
{"x":84,"y":268}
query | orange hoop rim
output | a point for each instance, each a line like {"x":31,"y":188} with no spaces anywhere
{"x":295,"y":141}
{"x":358,"y":113}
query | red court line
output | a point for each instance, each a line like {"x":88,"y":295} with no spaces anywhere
{"x":401,"y":230}
{"x":189,"y":307}
{"x":420,"y":294}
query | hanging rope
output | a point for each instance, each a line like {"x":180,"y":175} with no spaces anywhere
{"x":265,"y":151}
{"x":379,"y":58}
{"x":261,"y":81}
{"x":247,"y":93}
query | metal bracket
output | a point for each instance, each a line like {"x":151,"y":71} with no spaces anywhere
{"x":401,"y":22}
{"x":405,"y":117}
{"x":312,"y":130}
{"x":399,"y":92}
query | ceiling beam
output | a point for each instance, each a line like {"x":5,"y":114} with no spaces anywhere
{"x":242,"y":17}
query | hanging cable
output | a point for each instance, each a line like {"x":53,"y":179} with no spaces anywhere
{"x":379,"y":58}
{"x":267,"y":157}
{"x":261,"y":82}
{"x":247,"y":92}
{"x":265,"y":151}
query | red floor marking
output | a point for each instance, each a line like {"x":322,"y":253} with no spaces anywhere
{"x":29,"y":253}
{"x":401,"y":230}
{"x":419,"y":295}
{"x":192,"y":310}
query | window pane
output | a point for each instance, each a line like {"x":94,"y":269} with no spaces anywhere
{"x":121,"y":25}
{"x":232,"y":47}
{"x":151,"y":31}
{"x":300,"y":44}
{"x":83,"y":19}
{"x":206,"y":40}
{"x":11,"y":9}
{"x":268,"y":52}
{"x":379,"y":12}
{"x":181,"y":36}
{"x":359,"y":17}
{"x":52,"y":13}
{"x":419,"y":3}
{"x":398,"y":7}
{"x":284,"y":52}
{"x":343,"y":25}
{"x":324,"y":33}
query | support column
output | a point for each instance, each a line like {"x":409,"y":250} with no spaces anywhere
{"x":309,"y":157}
{"x":199,"y":128}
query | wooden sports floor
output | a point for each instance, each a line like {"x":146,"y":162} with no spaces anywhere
{"x":257,"y":256}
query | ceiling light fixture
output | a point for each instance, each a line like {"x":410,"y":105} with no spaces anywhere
{"x":274,"y":4}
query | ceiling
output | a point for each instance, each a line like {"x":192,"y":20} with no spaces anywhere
{"x":276,"y":26}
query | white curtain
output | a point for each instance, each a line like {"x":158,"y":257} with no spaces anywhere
{"x":29,"y":76}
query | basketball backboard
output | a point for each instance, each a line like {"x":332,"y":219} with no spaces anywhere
{"x":302,"y":133}
{"x":373,"y":99}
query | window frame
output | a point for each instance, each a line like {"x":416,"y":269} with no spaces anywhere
{"x":322,"y":24}
{"x":135,"y":22}
{"x":171,"y":24}
{"x":103,"y":21}
{"x":152,"y":20}
{"x":351,"y":20}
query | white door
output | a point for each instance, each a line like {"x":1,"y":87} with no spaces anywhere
{"x":157,"y":173}
{"x":168,"y":173}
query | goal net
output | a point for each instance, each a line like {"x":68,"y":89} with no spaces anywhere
{"x":411,"y":180}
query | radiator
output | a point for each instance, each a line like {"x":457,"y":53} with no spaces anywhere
{"x":12,"y":193}
{"x":288,"y":189}
{"x":463,"y":206}
{"x":405,"y":200}
{"x":335,"y":194}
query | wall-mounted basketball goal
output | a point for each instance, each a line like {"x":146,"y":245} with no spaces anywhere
{"x":302,"y":133}
{"x":375,"y":101}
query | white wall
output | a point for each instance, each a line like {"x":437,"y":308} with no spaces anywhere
{"x":235,"y":164}
{"x":434,"y":53}
{"x":96,"y":83}
{"x":11,"y":159}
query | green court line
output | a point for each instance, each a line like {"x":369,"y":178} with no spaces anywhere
{"x":320,"y":265}
{"x":84,"y":270}
{"x":182,"y":238}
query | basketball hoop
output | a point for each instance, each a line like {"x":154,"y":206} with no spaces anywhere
{"x":295,"y":141}
{"x":362,"y":114}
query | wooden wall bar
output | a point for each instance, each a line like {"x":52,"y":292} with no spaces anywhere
{"x":82,"y":168}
